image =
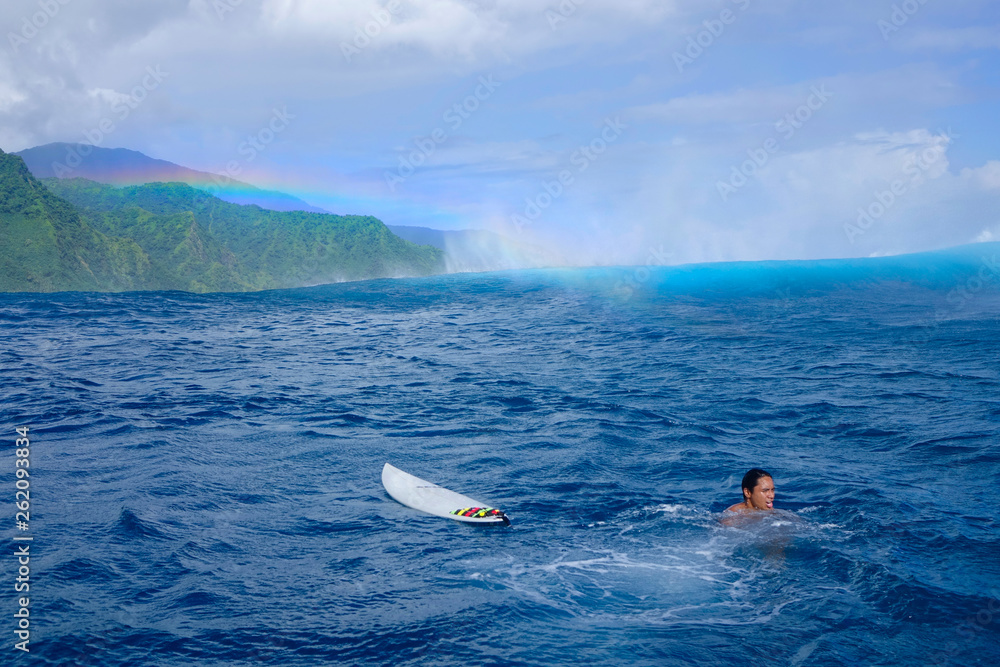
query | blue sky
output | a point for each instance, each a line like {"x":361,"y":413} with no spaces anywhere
{"x":625,"y":132}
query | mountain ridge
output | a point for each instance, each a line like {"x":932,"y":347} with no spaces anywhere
{"x":123,"y":167}
{"x":467,"y":250}
{"x":80,"y":235}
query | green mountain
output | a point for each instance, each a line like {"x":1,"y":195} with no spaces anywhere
{"x":75,"y":234}
{"x":267,"y":249}
{"x":45,"y":244}
{"x":183,"y":253}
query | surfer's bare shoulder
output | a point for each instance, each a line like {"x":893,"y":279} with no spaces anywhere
{"x":733,"y":514}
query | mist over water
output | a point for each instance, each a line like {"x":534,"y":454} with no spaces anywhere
{"x":207,"y":468}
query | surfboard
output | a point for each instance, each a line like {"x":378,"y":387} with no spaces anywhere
{"x":437,"y":500}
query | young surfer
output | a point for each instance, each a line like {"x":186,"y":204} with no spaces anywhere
{"x":758,"y":492}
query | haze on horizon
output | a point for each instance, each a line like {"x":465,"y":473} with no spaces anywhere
{"x":626,"y":132}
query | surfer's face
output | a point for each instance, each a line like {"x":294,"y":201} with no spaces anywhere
{"x":762,"y":496}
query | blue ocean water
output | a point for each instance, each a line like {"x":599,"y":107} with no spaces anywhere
{"x":205,"y":469}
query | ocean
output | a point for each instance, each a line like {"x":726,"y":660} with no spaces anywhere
{"x":205,"y":469}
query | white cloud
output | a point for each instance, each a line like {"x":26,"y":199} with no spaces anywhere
{"x":797,"y":206}
{"x":952,"y":39}
{"x":10,"y":96}
{"x":850,"y":93}
{"x":464,"y":30}
{"x":739,"y":106}
{"x":986,"y":177}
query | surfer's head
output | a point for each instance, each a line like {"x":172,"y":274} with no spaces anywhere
{"x":758,"y":489}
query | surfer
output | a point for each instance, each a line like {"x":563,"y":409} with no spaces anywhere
{"x":758,"y":492}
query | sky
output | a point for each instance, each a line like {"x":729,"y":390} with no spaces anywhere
{"x":607,"y":132}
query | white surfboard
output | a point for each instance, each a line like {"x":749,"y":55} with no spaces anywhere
{"x":439,"y":501}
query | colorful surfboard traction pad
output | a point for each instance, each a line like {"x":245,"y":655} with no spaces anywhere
{"x":479,"y":512}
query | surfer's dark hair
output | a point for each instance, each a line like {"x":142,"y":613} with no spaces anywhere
{"x":752,"y":477}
